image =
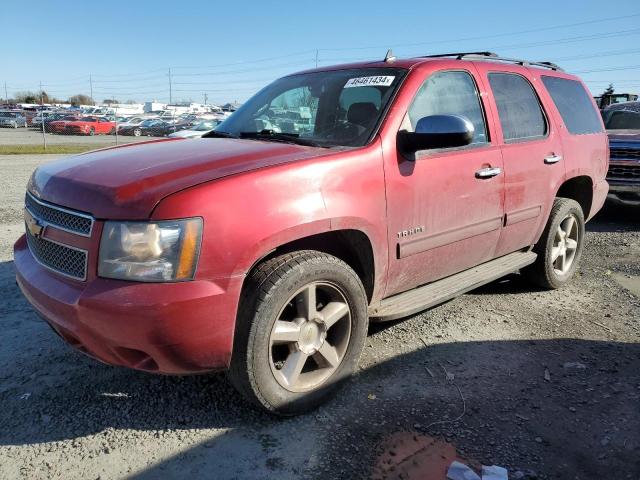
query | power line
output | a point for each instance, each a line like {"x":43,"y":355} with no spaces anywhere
{"x":609,"y":69}
{"x":610,"y":53}
{"x":249,"y":70}
{"x":483,"y":37}
{"x":243,"y":62}
{"x":633,"y":31}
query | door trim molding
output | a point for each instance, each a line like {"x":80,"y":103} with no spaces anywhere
{"x":421,"y":244}
{"x":522,"y":215}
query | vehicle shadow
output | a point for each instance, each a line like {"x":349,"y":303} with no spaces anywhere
{"x":615,"y":217}
{"x":512,"y":415}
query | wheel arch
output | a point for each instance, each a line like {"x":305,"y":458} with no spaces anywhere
{"x":580,"y":189}
{"x":352,"y":246}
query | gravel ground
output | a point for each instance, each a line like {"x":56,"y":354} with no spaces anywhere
{"x":30,"y":136}
{"x":546,"y":384}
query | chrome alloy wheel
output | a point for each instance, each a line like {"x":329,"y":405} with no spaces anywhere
{"x":565,"y":245}
{"x":310,"y":337}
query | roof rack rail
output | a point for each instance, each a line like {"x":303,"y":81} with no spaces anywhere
{"x":460,"y":55}
{"x":496,"y":57}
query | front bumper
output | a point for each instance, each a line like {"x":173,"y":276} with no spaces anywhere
{"x":626,"y":193}
{"x":171,"y":328}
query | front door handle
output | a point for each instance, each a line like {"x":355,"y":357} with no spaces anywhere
{"x":551,"y":159}
{"x":488,"y":172}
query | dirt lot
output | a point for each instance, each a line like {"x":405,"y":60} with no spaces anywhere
{"x":546,"y":384}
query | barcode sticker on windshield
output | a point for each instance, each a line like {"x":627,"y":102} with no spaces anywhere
{"x":377,"y":81}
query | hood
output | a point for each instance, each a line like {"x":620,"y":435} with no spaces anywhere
{"x":76,"y":122}
{"x":127,"y":182}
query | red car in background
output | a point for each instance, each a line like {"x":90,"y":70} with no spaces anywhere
{"x":84,"y":126}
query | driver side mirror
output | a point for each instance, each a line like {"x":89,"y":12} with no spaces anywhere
{"x":436,"y":131}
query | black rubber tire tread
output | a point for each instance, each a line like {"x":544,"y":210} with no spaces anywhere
{"x":262,"y":286}
{"x":541,"y":271}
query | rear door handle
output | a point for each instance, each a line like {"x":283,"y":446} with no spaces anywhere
{"x":551,"y":159}
{"x":488,"y":172}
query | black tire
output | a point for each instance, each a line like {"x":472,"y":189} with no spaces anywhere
{"x":542,"y":271}
{"x":92,"y":132}
{"x":268,"y":289}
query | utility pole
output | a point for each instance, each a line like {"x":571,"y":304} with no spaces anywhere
{"x":6,"y":96}
{"x":44,"y":137}
{"x":116,"y":119}
{"x":170,"y":92}
{"x":316,"y":58}
{"x":205,"y":98}
{"x":91,"y":87}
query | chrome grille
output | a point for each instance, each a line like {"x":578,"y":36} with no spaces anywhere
{"x":62,"y":218}
{"x":625,"y":172}
{"x":629,"y":153}
{"x":68,"y":261}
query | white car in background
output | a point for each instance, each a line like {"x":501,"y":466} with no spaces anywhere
{"x":197,"y":130}
{"x":132,"y":122}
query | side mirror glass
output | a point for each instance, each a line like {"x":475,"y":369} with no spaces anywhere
{"x":437,"y":131}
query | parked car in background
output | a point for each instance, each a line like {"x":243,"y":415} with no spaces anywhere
{"x":57,"y":117}
{"x":150,"y":128}
{"x":622,"y":122}
{"x":196,"y":130}
{"x":265,"y":252}
{"x":12,"y":119}
{"x":36,"y":120}
{"x":84,"y":126}
{"x":132,"y":121}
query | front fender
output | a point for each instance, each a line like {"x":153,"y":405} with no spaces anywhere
{"x":246,"y":216}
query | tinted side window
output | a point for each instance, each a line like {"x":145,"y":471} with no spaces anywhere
{"x":518,"y":107}
{"x":574,"y":105}
{"x":449,"y":93}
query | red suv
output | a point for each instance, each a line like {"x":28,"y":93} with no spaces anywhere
{"x":371,"y":190}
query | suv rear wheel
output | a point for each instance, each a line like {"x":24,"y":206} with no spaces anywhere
{"x":301,"y":327}
{"x":560,"y":246}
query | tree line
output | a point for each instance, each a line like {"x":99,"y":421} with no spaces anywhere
{"x":43,"y":97}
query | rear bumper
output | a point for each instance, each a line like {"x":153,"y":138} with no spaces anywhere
{"x":171,"y":328}
{"x":600,"y":191}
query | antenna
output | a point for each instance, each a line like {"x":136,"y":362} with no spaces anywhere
{"x":389,"y":57}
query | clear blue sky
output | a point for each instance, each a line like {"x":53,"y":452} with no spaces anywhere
{"x":230,"y":49}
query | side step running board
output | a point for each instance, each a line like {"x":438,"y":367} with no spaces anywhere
{"x":427,"y":296}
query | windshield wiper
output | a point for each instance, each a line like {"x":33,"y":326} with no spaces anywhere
{"x":268,"y":134}
{"x":217,"y":134}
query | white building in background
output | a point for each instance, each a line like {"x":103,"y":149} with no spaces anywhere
{"x":153,"y":106}
{"x":125,"y":109}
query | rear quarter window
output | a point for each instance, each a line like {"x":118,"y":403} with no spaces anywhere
{"x":574,"y":104}
{"x":519,"y":109}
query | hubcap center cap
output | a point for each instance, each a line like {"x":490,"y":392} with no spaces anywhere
{"x":312,"y":335}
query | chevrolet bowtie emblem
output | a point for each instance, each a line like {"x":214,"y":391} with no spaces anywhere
{"x":33,"y":225}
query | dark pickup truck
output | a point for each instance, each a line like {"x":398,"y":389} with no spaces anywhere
{"x":623,"y":127}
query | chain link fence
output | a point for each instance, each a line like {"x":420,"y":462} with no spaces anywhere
{"x":67,"y":129}
{"x":36,"y":121}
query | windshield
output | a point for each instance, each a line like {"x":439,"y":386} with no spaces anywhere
{"x":622,"y":120}
{"x":331,"y":108}
{"x":148,"y":123}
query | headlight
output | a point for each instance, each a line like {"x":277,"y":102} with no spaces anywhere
{"x":150,"y":252}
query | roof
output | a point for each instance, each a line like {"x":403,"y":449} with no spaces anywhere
{"x":409,"y":63}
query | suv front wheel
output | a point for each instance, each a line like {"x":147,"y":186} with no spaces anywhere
{"x":300,"y":329}
{"x":560,"y":246}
